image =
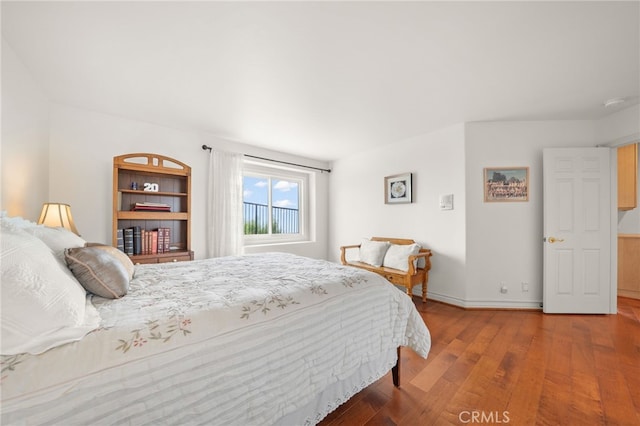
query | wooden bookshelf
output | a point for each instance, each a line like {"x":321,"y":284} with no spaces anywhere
{"x":169,"y":183}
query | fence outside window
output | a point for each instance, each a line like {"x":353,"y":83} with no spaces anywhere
{"x":256,"y":219}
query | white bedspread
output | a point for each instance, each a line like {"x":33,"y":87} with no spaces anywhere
{"x":238,"y":340}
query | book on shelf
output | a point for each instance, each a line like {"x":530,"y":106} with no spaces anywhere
{"x":150,"y":209}
{"x":160,"y":240}
{"x":154,"y":205}
{"x":149,"y":203}
{"x":148,"y":242}
{"x":120,"y":239}
{"x":154,"y":242}
{"x":167,"y":239}
{"x":148,"y":206}
{"x":128,"y":241}
{"x":137,"y":240}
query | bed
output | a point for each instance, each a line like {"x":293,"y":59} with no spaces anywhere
{"x":250,"y":340}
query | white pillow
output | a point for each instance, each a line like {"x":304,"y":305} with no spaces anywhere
{"x":372,"y":252}
{"x":42,"y":306}
{"x":15,"y":222}
{"x":397,"y":256}
{"x":57,"y":239}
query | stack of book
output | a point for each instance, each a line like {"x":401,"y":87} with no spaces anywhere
{"x":156,"y":241}
{"x":136,"y":240}
{"x":151,"y":207}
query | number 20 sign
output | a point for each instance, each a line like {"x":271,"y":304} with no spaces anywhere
{"x":150,"y":187}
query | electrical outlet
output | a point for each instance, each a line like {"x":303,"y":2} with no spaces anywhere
{"x":503,"y":288}
{"x":525,"y":287}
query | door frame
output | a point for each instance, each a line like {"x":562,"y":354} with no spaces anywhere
{"x":613,"y":299}
{"x":613,"y":145}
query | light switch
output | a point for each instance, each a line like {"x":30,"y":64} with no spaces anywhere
{"x":446,"y":202}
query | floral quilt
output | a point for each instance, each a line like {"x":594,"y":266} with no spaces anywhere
{"x":173,"y":305}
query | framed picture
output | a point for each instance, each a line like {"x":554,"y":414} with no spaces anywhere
{"x":397,"y":189}
{"x":506,"y":184}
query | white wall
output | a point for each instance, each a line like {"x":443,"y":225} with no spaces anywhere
{"x":504,"y":240}
{"x":478,"y":245}
{"x":83,"y":144}
{"x":25,"y":140}
{"x":620,"y":127}
{"x":437,"y":161}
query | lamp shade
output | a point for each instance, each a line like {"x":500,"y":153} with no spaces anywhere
{"x":57,"y":215}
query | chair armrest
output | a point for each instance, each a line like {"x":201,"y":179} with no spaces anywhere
{"x":424,"y":254}
{"x":343,"y":250}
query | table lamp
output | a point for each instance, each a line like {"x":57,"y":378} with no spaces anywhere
{"x":57,"y":215}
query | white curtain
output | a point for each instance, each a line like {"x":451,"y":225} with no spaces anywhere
{"x":224,"y":205}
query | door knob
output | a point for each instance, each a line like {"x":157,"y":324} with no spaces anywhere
{"x":555,"y":240}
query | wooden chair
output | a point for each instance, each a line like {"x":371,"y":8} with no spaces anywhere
{"x":412,"y":277}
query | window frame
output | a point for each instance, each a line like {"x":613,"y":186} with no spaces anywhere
{"x":258,"y":169}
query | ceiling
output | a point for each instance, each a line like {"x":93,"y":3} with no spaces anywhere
{"x":326,"y":79}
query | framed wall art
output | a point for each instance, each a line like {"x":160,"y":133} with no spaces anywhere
{"x":397,"y":189}
{"x":506,"y":184}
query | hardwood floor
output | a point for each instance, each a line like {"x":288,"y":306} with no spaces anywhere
{"x":511,"y":367}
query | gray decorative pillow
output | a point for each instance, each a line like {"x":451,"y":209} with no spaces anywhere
{"x":102,"y":270}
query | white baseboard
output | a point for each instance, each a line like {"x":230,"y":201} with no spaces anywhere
{"x":485,"y":303}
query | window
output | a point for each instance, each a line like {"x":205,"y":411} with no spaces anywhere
{"x":274,"y":204}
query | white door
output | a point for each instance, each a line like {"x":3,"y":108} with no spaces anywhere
{"x":577,"y":230}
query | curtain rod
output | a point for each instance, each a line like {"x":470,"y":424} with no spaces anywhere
{"x":208,"y":148}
